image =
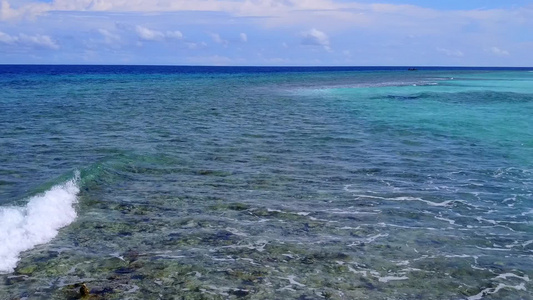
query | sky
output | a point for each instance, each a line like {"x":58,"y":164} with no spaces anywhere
{"x":268,"y":32}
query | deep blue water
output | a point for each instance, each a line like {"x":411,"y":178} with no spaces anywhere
{"x":266,"y":182}
{"x":150,"y":69}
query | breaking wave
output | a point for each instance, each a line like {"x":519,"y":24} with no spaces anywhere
{"x":36,"y":223}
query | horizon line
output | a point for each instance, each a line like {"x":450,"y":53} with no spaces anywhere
{"x":268,"y":66}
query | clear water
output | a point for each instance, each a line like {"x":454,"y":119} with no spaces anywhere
{"x":266,"y":183}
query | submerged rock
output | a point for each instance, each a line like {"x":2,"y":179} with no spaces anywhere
{"x":25,"y":270}
{"x":84,"y":290}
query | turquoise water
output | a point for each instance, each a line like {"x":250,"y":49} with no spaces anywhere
{"x":226,"y":183}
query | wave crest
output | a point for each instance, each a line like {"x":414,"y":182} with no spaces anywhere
{"x":36,"y":223}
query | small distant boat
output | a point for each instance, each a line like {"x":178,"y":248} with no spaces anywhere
{"x":412,"y":69}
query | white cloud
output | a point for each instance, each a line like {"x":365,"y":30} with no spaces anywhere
{"x":174,"y":34}
{"x":148,"y":34}
{"x":110,"y":38}
{"x":194,"y":46}
{"x":497,"y":51}
{"x":316,"y":37}
{"x":327,"y":14}
{"x":217,"y":39}
{"x":6,"y":38}
{"x":6,"y":12}
{"x":154,"y":35}
{"x":448,"y":52}
{"x":37,"y":41}
{"x":41,"y":41}
{"x":285,"y":11}
{"x":435,"y":36}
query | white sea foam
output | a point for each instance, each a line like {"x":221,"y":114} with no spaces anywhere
{"x":529,"y":212}
{"x":292,"y":281}
{"x":258,"y":246}
{"x":452,"y":222}
{"x":406,"y":198}
{"x":362,"y":272}
{"x":511,"y":275}
{"x":493,"y":249}
{"x":236,"y":231}
{"x":302,"y":213}
{"x":489,"y":291}
{"x":36,"y":223}
{"x":371,"y":239}
{"x":368,"y":240}
{"x":392,"y":278}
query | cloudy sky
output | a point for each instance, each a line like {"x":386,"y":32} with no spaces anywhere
{"x":268,"y":32}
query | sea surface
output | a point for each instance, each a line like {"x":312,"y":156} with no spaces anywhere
{"x":266,"y":183}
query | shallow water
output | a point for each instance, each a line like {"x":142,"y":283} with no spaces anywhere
{"x":266,"y":183}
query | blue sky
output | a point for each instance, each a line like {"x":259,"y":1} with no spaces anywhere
{"x":267,"y":32}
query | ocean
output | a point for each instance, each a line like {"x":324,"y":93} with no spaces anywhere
{"x":154,"y":182}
